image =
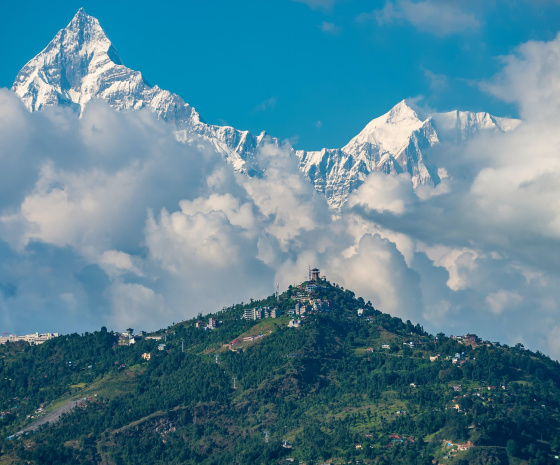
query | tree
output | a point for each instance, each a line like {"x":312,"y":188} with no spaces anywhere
{"x":511,"y":448}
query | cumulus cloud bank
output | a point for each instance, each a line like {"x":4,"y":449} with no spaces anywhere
{"x":495,"y":231}
{"x":108,"y":220}
{"x":116,"y":223}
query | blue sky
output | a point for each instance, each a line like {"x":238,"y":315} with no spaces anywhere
{"x":312,"y":71}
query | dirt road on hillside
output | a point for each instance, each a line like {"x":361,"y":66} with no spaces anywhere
{"x":51,"y":418}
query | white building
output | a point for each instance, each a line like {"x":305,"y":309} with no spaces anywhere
{"x":275,"y":313}
{"x":311,"y":288}
{"x":294,"y":323}
{"x":36,"y":338}
{"x":259,"y":313}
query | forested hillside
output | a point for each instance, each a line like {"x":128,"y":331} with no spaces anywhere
{"x":339,"y":383}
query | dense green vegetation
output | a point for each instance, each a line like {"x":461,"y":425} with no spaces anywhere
{"x":327,"y":389}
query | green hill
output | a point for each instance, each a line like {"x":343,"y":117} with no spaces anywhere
{"x":349,"y":385}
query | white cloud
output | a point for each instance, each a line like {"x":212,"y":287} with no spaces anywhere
{"x":186,"y":240}
{"x":137,"y":306}
{"x":438,"y":82}
{"x":268,"y":104}
{"x":330,"y":28}
{"x":285,"y":197}
{"x":378,"y":271}
{"x":64,"y":207}
{"x":529,"y":79}
{"x":384,"y":193}
{"x":436,"y":17}
{"x":553,"y":341}
{"x":459,"y":263}
{"x":502,"y":299}
{"x":115,"y":263}
{"x":204,"y":257}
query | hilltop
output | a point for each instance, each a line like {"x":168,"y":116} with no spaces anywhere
{"x":330,"y":379}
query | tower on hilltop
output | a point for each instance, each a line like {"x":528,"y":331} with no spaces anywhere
{"x":315,"y":275}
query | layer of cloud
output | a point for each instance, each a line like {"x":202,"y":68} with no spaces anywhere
{"x":108,"y":220}
{"x":121,"y":225}
{"x":439,"y":18}
{"x":495,"y":231}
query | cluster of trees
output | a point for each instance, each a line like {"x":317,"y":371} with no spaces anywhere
{"x":315,"y":387}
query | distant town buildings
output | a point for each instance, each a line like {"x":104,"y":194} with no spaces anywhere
{"x":412,"y":344}
{"x":213,"y":323}
{"x":253,"y":313}
{"x":302,"y":297}
{"x":300,"y":309}
{"x":320,"y":305}
{"x":128,"y":338}
{"x":35,"y":338}
{"x":470,"y":340}
{"x":258,"y":313}
{"x":311,"y":288}
{"x":275,"y":313}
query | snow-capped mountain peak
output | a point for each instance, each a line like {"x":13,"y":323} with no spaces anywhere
{"x":390,"y":132}
{"x":78,"y":53}
{"x":396,"y":142}
{"x":81,"y":64}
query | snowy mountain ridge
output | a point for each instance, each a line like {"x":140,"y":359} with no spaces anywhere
{"x":81,"y":64}
{"x":396,"y":142}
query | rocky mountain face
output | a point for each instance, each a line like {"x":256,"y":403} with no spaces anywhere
{"x":81,"y":64}
{"x":397,"y":142}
